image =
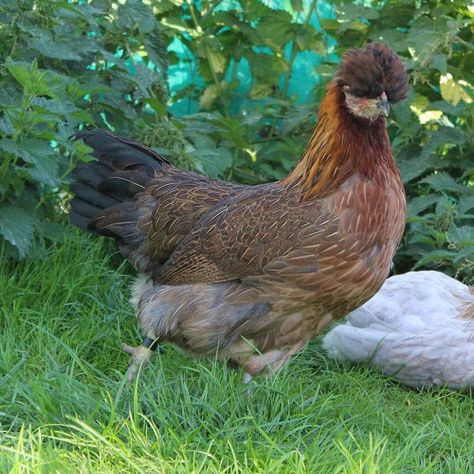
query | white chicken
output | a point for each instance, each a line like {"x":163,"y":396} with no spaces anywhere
{"x":418,"y":329}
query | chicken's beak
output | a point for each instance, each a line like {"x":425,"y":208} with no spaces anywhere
{"x":383,"y":104}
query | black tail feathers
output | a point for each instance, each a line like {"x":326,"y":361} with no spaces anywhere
{"x":104,"y":189}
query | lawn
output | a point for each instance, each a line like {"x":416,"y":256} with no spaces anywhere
{"x":64,"y":406}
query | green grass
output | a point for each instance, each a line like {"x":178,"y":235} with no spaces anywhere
{"x":64,"y":407}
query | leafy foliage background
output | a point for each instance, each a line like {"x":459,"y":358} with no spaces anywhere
{"x":70,"y":64}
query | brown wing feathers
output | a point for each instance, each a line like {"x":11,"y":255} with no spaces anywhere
{"x":133,"y":194}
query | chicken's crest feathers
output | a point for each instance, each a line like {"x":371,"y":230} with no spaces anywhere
{"x":372,"y":70}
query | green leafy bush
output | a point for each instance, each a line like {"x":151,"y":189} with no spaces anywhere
{"x":249,"y":132}
{"x":66,"y":64}
{"x":103,"y":64}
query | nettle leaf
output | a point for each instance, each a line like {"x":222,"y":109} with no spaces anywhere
{"x":38,"y":82}
{"x":61,"y":107}
{"x":465,"y":253}
{"x":211,"y":93}
{"x":466,"y":203}
{"x":46,"y":173}
{"x":156,"y":50}
{"x":421,"y":203}
{"x":329,"y":24}
{"x":440,"y":62}
{"x":200,"y":124}
{"x":10,"y":146}
{"x":217,"y":60}
{"x":295,"y":117}
{"x":254,"y":10}
{"x":416,"y":166}
{"x":117,"y":105}
{"x":427,"y":159}
{"x":425,"y":35}
{"x":28,"y":76}
{"x":445,"y":206}
{"x":135,"y":14}
{"x":10,"y":96}
{"x":352,"y":11}
{"x":443,"y":136}
{"x":56,"y":49}
{"x":309,"y":39}
{"x":207,"y":48}
{"x":38,"y":153}
{"x":17,"y":226}
{"x":53,"y":231}
{"x":442,"y":181}
{"x":402,"y":112}
{"x":143,"y":78}
{"x":214,"y":160}
{"x":156,"y":105}
{"x":435,"y":256}
{"x":6,"y":125}
{"x":266,"y":68}
{"x":446,"y":107}
{"x":276,"y":29}
{"x":462,"y":236}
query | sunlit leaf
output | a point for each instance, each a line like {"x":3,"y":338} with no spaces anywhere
{"x":452,"y":91}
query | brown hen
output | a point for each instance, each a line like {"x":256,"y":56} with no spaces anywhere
{"x":252,"y":273}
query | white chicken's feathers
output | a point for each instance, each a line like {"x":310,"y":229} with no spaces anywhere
{"x":419,"y":329}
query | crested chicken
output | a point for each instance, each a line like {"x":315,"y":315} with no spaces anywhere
{"x":251,"y":273}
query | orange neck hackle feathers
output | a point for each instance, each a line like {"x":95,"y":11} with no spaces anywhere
{"x":344,"y":144}
{"x":341,"y":145}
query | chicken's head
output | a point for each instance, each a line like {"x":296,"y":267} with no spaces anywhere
{"x":372,"y":78}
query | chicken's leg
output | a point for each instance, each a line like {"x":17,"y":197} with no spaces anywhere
{"x":140,"y":356}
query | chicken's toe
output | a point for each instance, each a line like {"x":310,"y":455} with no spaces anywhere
{"x":140,"y":356}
